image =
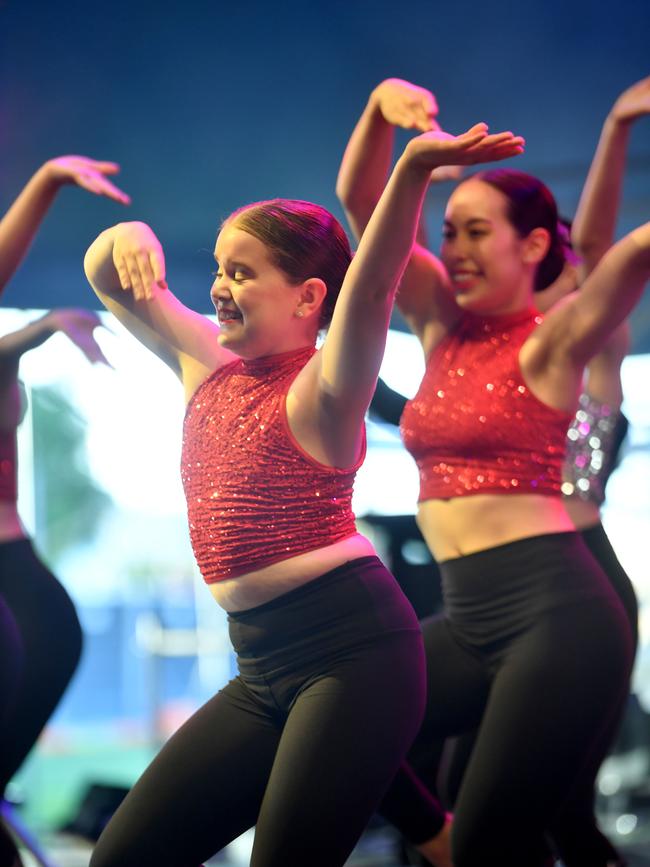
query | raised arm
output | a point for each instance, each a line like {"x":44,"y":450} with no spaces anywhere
{"x":354,"y":345}
{"x":422,"y":297}
{"x":21,"y":222}
{"x":594,"y":225}
{"x":77,"y":325}
{"x":580,"y":326}
{"x":125,"y":266}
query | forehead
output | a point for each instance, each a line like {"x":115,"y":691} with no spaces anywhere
{"x":476,"y":199}
{"x":234,"y":243}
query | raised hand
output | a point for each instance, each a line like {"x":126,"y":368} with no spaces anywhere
{"x":433,"y":149}
{"x":79,"y":326}
{"x":407,"y":105}
{"x":633,"y":103}
{"x":139,"y":260}
{"x":87,"y":173}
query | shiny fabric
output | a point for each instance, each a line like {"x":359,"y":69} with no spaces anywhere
{"x":8,"y":466}
{"x":474,"y":427}
{"x":594,"y":438}
{"x":254,"y":497}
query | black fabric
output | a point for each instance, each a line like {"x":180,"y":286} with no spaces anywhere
{"x":535,"y":653}
{"x":48,"y":639}
{"x":302,"y":743}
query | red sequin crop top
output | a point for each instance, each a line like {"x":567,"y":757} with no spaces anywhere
{"x":474,"y":427}
{"x":8,"y":483}
{"x":254,"y":496}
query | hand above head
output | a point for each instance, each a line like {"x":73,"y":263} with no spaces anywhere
{"x":138,"y":259}
{"x":87,"y":173}
{"x":79,"y":326}
{"x":633,"y":103}
{"x":437,"y":148}
{"x":407,"y":105}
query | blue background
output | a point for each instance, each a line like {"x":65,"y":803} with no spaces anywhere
{"x":209,"y":105}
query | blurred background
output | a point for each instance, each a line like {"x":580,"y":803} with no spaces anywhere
{"x":207,"y":106}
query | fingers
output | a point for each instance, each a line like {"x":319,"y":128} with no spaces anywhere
{"x":157,"y":264}
{"x":101,"y":186}
{"x":140,"y":271}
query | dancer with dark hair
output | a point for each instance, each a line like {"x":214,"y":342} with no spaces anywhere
{"x":306,"y":739}
{"x":36,"y":614}
{"x":535,"y":647}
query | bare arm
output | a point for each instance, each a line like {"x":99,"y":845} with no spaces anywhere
{"x":125,"y":266}
{"x":21,"y":222}
{"x":581,"y":325}
{"x":354,"y":346}
{"x":364,"y":170}
{"x":595,"y":222}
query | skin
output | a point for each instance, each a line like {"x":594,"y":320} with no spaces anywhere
{"x":20,"y":224}
{"x":79,"y":327}
{"x":261,"y":312}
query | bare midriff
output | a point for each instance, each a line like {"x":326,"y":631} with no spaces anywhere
{"x":464,"y":525}
{"x":263,"y":585}
{"x":10,"y":525}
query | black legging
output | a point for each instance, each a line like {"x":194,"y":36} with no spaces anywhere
{"x":49,"y":643}
{"x":573,"y":831}
{"x":534,"y":652}
{"x":302,"y":744}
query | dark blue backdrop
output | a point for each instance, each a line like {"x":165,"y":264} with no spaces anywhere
{"x":208,"y":105}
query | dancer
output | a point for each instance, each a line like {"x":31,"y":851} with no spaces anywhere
{"x":32,"y":602}
{"x":595,"y":437}
{"x":529,"y":613}
{"x":330,"y":690}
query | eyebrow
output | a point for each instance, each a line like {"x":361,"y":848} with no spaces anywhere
{"x":234,"y":264}
{"x":470,"y":221}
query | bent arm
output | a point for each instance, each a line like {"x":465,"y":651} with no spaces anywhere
{"x":354,"y":346}
{"x":594,"y":226}
{"x":185,"y":340}
{"x":581,"y":326}
{"x":21,"y":222}
{"x":364,"y":170}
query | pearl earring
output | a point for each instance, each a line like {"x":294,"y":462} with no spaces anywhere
{"x":299,"y":314}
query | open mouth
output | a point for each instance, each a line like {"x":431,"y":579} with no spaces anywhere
{"x":228,"y":315}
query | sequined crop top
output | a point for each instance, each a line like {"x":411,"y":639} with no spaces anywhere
{"x":254,"y":496}
{"x":594,"y":440}
{"x":474,"y":427}
{"x":8,"y":466}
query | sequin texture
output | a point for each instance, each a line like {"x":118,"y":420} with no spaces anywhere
{"x":593,"y":439}
{"x":474,"y":427}
{"x":254,"y":497}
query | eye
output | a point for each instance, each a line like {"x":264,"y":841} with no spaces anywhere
{"x":238,"y":276}
{"x":447,"y":234}
{"x":217,"y":274}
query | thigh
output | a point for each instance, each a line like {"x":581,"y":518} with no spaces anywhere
{"x":50,"y":636}
{"x":551,"y":697}
{"x":344,"y":738}
{"x":458,"y":682}
{"x":201,"y":791}
{"x":458,"y":685}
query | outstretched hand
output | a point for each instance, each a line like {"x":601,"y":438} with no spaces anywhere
{"x":139,"y":260}
{"x":89,"y":174}
{"x":633,"y":103}
{"x":79,"y":326}
{"x":407,"y":105}
{"x":437,"y":148}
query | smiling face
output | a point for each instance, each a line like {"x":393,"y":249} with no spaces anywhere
{"x":491,"y":268}
{"x":255,"y":302}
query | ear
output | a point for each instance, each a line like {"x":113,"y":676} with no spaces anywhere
{"x":536,"y":245}
{"x":310,"y":297}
